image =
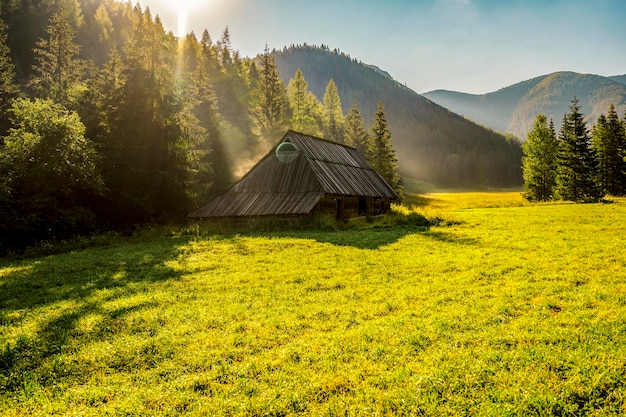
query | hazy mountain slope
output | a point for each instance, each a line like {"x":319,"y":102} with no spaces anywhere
{"x":513,"y":109}
{"x":492,"y":109}
{"x":619,"y":78}
{"x":433,"y":143}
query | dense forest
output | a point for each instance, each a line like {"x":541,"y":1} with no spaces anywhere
{"x":577,"y":164}
{"x":109,"y":121}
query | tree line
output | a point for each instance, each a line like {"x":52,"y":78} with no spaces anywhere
{"x":577,"y":164}
{"x":132,"y":125}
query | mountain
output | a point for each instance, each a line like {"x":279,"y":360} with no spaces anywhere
{"x":513,"y":109}
{"x":619,"y":78}
{"x":432,"y":143}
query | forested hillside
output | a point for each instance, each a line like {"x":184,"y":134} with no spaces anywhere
{"x":513,"y":109}
{"x":619,"y":78}
{"x":433,"y":143}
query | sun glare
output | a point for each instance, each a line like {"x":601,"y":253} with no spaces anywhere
{"x":183,"y":9}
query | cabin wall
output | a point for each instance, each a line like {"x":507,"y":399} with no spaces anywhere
{"x":345,"y":207}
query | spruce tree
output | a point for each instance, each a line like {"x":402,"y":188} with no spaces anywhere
{"x":381,"y":155}
{"x":577,"y":163}
{"x":614,"y":151}
{"x":269,"y":101}
{"x":601,"y":142}
{"x":355,"y":133}
{"x":58,"y":68}
{"x":333,"y":115}
{"x":8,"y":88}
{"x":539,"y":162}
{"x":305,"y":109}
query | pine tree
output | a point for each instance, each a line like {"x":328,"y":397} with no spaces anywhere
{"x":58,"y":68}
{"x":211,"y":172}
{"x":609,"y":141}
{"x":601,"y":142}
{"x":381,"y":155}
{"x":333,"y":115}
{"x":150,"y":131}
{"x":577,"y":163}
{"x":8,"y":88}
{"x":224,"y":49}
{"x":269,"y":101}
{"x":355,"y":133}
{"x":305,"y":109}
{"x":540,"y":161}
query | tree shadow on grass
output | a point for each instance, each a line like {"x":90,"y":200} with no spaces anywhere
{"x":368,"y":239}
{"x":377,"y":237}
{"x":70,"y":283}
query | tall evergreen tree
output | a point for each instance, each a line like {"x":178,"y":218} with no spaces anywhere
{"x":540,"y":161}
{"x":58,"y":68}
{"x":355,"y":133}
{"x":609,"y":145}
{"x":577,"y":163}
{"x":269,"y":101}
{"x":601,"y":142}
{"x":305,"y":109}
{"x":150,"y":131}
{"x":8,"y":88}
{"x":333,"y":115}
{"x":381,"y":155}
{"x":211,"y":171}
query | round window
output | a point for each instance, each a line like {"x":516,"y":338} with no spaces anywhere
{"x":287,"y":152}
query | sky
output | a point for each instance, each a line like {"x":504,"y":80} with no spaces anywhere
{"x":472,"y":46}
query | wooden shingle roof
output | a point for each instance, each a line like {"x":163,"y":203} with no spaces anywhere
{"x":320,"y":167}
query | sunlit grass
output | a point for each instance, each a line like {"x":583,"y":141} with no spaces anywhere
{"x":500,"y":308}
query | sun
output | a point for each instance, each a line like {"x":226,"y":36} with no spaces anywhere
{"x":183,"y":9}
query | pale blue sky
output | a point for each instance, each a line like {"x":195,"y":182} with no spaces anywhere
{"x":474,"y":46}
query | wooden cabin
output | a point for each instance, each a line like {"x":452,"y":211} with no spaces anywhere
{"x":304,"y":175}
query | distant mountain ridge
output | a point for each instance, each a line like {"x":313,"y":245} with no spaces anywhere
{"x":513,"y":109}
{"x":432,"y":143}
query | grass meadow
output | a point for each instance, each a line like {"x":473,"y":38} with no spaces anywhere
{"x":500,"y":309}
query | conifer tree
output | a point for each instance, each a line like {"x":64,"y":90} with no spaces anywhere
{"x":58,"y":68}
{"x":608,"y":143}
{"x":381,"y":155}
{"x":540,"y":161}
{"x":8,"y":88}
{"x":211,"y":171}
{"x":305,"y":109}
{"x":355,"y":133}
{"x":333,"y":115}
{"x":150,"y":130}
{"x":269,"y":101}
{"x":577,"y":163}
{"x":224,"y":49}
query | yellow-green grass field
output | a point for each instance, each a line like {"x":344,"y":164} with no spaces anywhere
{"x":503,"y":308}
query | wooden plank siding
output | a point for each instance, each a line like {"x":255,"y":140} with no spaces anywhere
{"x":321,"y":168}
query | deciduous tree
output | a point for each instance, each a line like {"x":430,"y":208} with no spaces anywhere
{"x":48,"y":169}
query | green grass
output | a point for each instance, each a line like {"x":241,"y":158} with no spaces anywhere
{"x":505,"y":309}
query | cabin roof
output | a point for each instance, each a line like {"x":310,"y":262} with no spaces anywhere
{"x":320,"y":167}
